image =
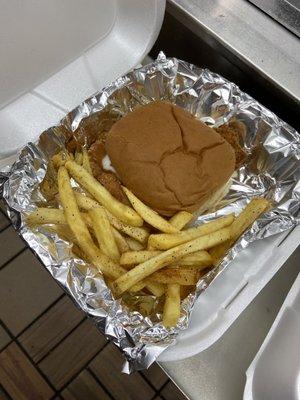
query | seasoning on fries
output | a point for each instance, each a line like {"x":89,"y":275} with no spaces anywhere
{"x":120,"y":240}
{"x":163,"y":241}
{"x":104,"y":233}
{"x":137,"y":250}
{"x":135,"y":245}
{"x":246,"y":218}
{"x":86,"y":203}
{"x":181,"y":276}
{"x":149,"y":215}
{"x":98,"y":191}
{"x":147,"y":268}
{"x":45,"y":215}
{"x":137,"y":257}
{"x":180,"y":219}
{"x":80,"y":230}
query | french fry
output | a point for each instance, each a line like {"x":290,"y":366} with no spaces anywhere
{"x":138,"y":233}
{"x":156,"y":288}
{"x":171,"y":312}
{"x":86,"y":162}
{"x":80,"y":230}
{"x":156,"y":282}
{"x":180,"y":219}
{"x":134,"y":245}
{"x":78,"y":157}
{"x":147,"y":268}
{"x":79,"y":233}
{"x":102,"y":195}
{"x":86,"y":203}
{"x":199,"y":258}
{"x":166,"y":241}
{"x":56,"y":216}
{"x":219,"y":251}
{"x":120,"y":240}
{"x":181,"y":276}
{"x":104,"y":234}
{"x":52,"y":216}
{"x":245,"y":219}
{"x":148,"y":215}
{"x":43,"y":216}
{"x":137,"y":257}
{"x":61,"y":158}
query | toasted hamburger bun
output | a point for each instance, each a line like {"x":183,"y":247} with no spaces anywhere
{"x":168,"y":158}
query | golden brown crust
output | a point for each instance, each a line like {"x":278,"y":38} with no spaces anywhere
{"x":93,"y":128}
{"x":233,"y":133}
{"x":170,"y":160}
{"x":108,"y":179}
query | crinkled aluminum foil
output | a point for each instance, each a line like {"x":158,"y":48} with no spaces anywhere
{"x":273,"y":171}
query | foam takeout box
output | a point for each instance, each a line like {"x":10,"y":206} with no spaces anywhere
{"x":54,"y":55}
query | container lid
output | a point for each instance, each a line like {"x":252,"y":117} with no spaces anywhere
{"x":56,"y":53}
{"x":275,"y":371}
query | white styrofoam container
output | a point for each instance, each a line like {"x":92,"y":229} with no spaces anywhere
{"x":231,"y":292}
{"x":274,"y":374}
{"x":57,"y":53}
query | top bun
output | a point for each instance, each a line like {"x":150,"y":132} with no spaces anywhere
{"x":168,"y":158}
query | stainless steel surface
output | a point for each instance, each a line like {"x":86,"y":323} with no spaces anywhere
{"x":219,"y":372}
{"x":249,"y":34}
{"x":286,"y":12}
{"x":237,"y":40}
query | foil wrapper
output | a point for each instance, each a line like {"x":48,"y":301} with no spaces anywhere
{"x":272,"y":170}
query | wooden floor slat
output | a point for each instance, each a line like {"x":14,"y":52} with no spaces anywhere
{"x":70,"y":356}
{"x":4,"y":338}
{"x":58,"y":339}
{"x":107,"y":367}
{"x":51,"y":328}
{"x":19,"y":377}
{"x":156,"y":376}
{"x":3,"y":207}
{"x":84,"y":387}
{"x":4,"y":221}
{"x":3,"y":395}
{"x":10,"y":244}
{"x":171,"y":392}
{"x":26,"y":291}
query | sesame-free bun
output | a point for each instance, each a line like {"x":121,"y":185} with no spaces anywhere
{"x":168,"y":158}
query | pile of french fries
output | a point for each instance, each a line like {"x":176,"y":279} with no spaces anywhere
{"x":137,"y":250}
